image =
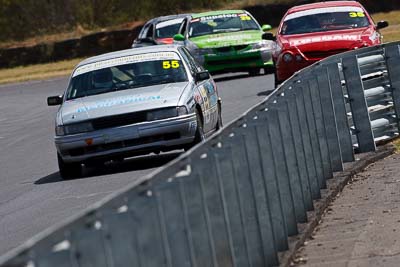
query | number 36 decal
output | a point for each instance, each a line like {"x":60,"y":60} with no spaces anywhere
{"x":170,"y":64}
{"x":357,"y":14}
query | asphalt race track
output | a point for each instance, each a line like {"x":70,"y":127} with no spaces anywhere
{"x":32,"y":194}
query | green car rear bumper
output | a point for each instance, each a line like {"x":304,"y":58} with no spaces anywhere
{"x":237,"y":62}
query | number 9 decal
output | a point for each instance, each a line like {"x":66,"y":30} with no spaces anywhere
{"x":168,"y":64}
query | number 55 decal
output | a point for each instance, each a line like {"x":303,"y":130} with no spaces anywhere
{"x":170,"y":64}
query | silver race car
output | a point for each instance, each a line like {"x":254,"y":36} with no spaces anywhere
{"x":160,"y":30}
{"x":133,"y":102}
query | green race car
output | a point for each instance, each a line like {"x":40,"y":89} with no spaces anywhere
{"x":227,"y":41}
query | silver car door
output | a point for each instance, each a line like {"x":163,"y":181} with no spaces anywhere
{"x":201,"y":95}
{"x":212,"y":102}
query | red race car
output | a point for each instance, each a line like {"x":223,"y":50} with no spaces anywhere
{"x":309,"y":33}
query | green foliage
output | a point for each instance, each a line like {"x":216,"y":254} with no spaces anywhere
{"x":20,"y":19}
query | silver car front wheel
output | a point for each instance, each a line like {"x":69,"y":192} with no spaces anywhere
{"x":69,"y":170}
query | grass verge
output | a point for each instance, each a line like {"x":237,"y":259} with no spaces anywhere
{"x":38,"y":72}
{"x":391,"y":33}
{"x":396,"y":144}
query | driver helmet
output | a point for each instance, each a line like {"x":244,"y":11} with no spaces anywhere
{"x":102,"y":78}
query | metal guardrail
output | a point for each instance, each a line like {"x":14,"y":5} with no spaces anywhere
{"x":235,"y":199}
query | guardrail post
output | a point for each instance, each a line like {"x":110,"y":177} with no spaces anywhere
{"x":358,"y":104}
{"x":287,"y":136}
{"x":282,"y":172}
{"x":146,"y":222}
{"x":20,"y":262}
{"x":291,"y":162}
{"x":233,"y":204}
{"x":342,"y":122}
{"x":308,"y":106}
{"x":120,"y":233}
{"x":171,"y":219}
{"x":227,"y":179}
{"x":50,"y":259}
{"x":290,"y":107}
{"x":329,"y":118}
{"x":215,"y":210}
{"x":260,"y":193}
{"x":88,"y":241}
{"x":264,"y":150}
{"x":298,"y":92}
{"x":58,"y":251}
{"x":321,"y":131}
{"x":199,"y":233}
{"x":254,"y":201}
{"x":392,"y":54}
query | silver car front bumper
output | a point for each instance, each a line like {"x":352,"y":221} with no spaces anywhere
{"x":140,"y":138}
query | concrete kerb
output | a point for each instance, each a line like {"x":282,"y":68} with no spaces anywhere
{"x":328,"y":195}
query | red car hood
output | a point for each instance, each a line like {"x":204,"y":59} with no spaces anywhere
{"x":337,"y":41}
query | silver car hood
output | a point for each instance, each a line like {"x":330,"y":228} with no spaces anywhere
{"x":119,"y":102}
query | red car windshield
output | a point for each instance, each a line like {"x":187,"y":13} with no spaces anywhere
{"x":322,"y":22}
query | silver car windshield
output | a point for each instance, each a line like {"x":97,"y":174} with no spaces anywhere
{"x":221,"y":23}
{"x":167,"y":29}
{"x":325,"y":22}
{"x":128,"y":76}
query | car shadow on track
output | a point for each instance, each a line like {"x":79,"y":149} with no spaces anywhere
{"x":265,"y":93}
{"x":128,"y":165}
{"x":51,"y":178}
{"x":235,"y":76}
{"x":230,"y":77}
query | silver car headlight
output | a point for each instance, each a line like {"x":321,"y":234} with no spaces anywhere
{"x":182,"y":110}
{"x":204,"y":51}
{"x":60,"y":130}
{"x":198,"y":53}
{"x":166,"y":113}
{"x":75,"y":128}
{"x":263,"y":44}
{"x":191,"y":46}
{"x":161,"y":114}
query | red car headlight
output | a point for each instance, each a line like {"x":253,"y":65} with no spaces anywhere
{"x":287,"y":57}
{"x":298,"y":58}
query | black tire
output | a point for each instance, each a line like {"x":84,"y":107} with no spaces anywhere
{"x":269,"y":70}
{"x":254,"y":72}
{"x":219,"y":122}
{"x":199,"y":135}
{"x":277,"y":83}
{"x":69,"y":170}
